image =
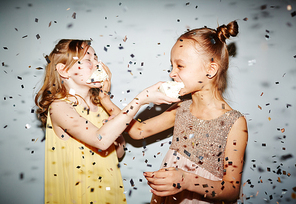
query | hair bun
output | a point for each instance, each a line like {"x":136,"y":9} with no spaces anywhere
{"x":224,"y":32}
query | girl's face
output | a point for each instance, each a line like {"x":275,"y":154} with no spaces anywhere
{"x":83,"y":69}
{"x":188,"y":66}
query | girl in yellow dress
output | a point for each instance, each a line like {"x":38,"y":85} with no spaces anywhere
{"x":81,"y":164}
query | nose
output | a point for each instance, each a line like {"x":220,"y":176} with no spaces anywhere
{"x":173,"y":73}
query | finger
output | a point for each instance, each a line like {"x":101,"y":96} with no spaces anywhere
{"x":106,"y":68}
{"x":160,"y":187}
{"x":160,"y":193}
{"x":148,"y":174}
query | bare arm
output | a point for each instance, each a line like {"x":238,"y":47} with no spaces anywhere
{"x":104,"y":95}
{"x":162,"y":182}
{"x":64,"y":116}
{"x":139,"y":130}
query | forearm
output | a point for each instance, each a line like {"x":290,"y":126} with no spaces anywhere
{"x":109,"y":106}
{"x":218,"y":190}
{"x":119,"y":145}
{"x":109,"y":132}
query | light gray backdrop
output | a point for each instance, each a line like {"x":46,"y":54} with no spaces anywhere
{"x":262,"y":78}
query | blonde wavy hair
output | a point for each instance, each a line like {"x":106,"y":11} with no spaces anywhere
{"x":67,"y":52}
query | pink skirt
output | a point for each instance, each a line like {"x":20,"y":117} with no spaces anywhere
{"x":184,"y":197}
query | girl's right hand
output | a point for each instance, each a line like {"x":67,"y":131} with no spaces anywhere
{"x":153,"y":95}
{"x":105,"y":89}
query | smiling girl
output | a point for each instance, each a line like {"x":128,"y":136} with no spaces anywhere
{"x":205,"y":160}
{"x":81,"y":164}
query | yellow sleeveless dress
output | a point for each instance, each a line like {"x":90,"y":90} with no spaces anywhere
{"x":78,"y":173}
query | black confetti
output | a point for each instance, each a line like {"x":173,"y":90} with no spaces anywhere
{"x":132,"y":183}
{"x":38,"y":36}
{"x":287,"y":156}
{"x":74,"y":15}
{"x":187,"y":153}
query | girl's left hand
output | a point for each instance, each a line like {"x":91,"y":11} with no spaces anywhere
{"x":166,"y":181}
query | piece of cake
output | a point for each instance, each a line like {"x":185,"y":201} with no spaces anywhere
{"x":171,"y":88}
{"x":99,"y":75}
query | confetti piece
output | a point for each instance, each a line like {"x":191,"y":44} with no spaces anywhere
{"x":293,"y":13}
{"x":74,"y":15}
{"x":125,"y":39}
{"x":287,"y":156}
{"x":72,"y":92}
{"x":36,"y":20}
{"x":38,"y":36}
{"x":269,"y":118}
{"x":132,"y":183}
{"x":27,"y":126}
{"x":245,"y":19}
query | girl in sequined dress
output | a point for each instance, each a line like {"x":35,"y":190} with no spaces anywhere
{"x":205,"y":160}
{"x":81,"y":164}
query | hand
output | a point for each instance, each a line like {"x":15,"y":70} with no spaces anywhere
{"x":105,"y":89}
{"x":153,"y":95}
{"x":166,"y":181}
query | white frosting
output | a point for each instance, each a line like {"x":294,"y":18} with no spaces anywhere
{"x":171,"y":88}
{"x":99,"y":75}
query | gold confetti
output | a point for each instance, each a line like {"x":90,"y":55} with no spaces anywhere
{"x":269,"y":118}
{"x":289,"y":7}
{"x":260,"y":107}
{"x":283,"y":130}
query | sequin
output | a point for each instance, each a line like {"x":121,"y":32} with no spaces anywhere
{"x":209,"y":136}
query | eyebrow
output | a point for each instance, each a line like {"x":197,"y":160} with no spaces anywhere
{"x":178,"y":61}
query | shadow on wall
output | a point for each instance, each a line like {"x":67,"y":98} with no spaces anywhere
{"x":150,"y":112}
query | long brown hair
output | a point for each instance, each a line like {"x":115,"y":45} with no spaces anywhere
{"x":67,"y":52}
{"x":211,"y":43}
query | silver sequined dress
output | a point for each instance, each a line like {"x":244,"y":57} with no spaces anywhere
{"x":198,"y":147}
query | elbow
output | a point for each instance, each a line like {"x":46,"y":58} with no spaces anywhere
{"x":101,"y":146}
{"x":233,"y":196}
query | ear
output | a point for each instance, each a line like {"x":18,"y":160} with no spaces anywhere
{"x":212,"y":70}
{"x":60,"y":67}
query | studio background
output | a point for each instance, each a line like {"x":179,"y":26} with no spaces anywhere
{"x":134,"y":39}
